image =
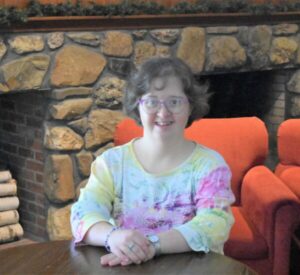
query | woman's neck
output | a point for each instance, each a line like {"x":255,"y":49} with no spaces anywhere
{"x":163,"y":147}
{"x":161,"y":156}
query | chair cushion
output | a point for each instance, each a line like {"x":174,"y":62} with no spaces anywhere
{"x":243,"y":142}
{"x":290,"y":175}
{"x":244,"y":241}
{"x":288,"y":142}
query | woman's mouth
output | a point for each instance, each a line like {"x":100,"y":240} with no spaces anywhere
{"x":163,"y":123}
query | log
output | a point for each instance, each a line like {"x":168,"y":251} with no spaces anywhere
{"x":9,"y":217}
{"x":9,"y":203}
{"x":5,"y":176}
{"x":8,"y":189}
{"x":11,"y":232}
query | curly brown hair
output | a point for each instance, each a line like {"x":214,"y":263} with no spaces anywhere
{"x":164,"y":67}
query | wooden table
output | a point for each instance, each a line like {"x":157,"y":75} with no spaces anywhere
{"x":61,"y":257}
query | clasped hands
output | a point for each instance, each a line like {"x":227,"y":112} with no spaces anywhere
{"x":128,"y":247}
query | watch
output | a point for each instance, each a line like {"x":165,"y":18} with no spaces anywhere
{"x":154,"y":240}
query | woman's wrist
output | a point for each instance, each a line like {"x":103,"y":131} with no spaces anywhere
{"x":106,"y":244}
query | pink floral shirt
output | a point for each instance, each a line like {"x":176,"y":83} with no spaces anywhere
{"x":194,"y":198}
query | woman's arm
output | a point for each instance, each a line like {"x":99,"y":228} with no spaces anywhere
{"x":172,"y":241}
{"x":91,"y":215}
{"x":210,"y":227}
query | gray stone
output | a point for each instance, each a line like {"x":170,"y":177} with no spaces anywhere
{"x":55,"y":40}
{"x":26,"y":73}
{"x":116,"y":43}
{"x":225,"y":52}
{"x":102,"y":125}
{"x":3,"y":49}
{"x":283,"y":50}
{"x":294,"y":83}
{"x":243,"y":35}
{"x":110,"y":92}
{"x":59,"y":185}
{"x":58,"y":223}
{"x":295,"y":106}
{"x":285,"y":29}
{"x":139,"y":34}
{"x":191,"y":48}
{"x":259,"y":46}
{"x":84,"y":160}
{"x":166,"y":36}
{"x":85,"y":38}
{"x":79,"y":125}
{"x":70,"y":108}
{"x":120,"y":66}
{"x":143,"y":50}
{"x":27,"y":43}
{"x":76,"y":66}
{"x":163,"y":51}
{"x":222,"y":30}
{"x":62,"y":138}
{"x":64,"y":93}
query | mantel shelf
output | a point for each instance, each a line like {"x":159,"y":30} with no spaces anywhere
{"x":81,"y":23}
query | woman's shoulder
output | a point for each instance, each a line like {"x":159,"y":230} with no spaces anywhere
{"x":209,"y":156}
{"x":115,"y":152}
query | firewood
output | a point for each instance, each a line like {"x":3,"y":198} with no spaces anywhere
{"x":9,"y":217}
{"x":9,"y":203}
{"x":5,"y":176}
{"x":8,"y":189}
{"x":11,"y":232}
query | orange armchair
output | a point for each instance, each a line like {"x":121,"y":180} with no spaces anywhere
{"x":265,"y":210}
{"x":288,"y":142}
{"x":288,"y":170}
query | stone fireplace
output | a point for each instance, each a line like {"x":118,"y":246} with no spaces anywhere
{"x":61,"y":96}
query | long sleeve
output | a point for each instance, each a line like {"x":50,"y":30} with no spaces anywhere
{"x":210,"y":227}
{"x":95,"y":201}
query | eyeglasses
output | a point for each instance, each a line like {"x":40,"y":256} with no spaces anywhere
{"x":173,"y":104}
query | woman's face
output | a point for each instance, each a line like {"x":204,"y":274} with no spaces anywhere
{"x":165,"y":110}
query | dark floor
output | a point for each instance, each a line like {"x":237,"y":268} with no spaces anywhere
{"x":295,"y":254}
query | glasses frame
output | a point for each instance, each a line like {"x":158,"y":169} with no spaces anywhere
{"x":162,"y":102}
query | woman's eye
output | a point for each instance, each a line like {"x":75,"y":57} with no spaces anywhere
{"x":174,"y":102}
{"x":151,"y":102}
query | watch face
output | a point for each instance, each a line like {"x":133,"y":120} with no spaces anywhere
{"x":153,"y":238}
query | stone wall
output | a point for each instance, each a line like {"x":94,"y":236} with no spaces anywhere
{"x":80,"y":76}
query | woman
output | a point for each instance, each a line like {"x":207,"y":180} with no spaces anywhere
{"x":159,"y":193}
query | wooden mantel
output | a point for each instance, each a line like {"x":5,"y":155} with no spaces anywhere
{"x":81,"y":23}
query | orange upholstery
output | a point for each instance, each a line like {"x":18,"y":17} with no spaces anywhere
{"x":288,"y":142}
{"x":264,"y":211}
{"x":288,"y":170}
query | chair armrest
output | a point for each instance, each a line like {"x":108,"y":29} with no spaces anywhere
{"x":274,"y":211}
{"x":263,"y":198}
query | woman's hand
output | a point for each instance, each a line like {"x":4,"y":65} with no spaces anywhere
{"x":129,"y":246}
{"x":113,"y":260}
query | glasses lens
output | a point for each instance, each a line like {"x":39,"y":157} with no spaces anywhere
{"x":151,"y":105}
{"x":174,"y":104}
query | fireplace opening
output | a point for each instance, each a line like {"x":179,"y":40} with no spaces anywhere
{"x":239,"y":94}
{"x":256,"y":93}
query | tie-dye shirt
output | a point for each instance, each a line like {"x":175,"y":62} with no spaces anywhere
{"x":194,"y":198}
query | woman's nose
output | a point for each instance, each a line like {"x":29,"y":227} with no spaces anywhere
{"x":163,"y":110}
